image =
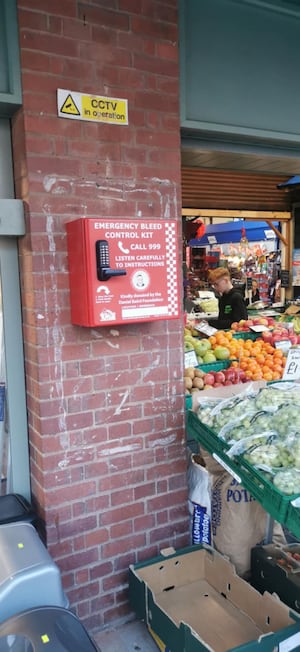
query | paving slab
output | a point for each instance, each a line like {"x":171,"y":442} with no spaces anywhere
{"x":131,"y":637}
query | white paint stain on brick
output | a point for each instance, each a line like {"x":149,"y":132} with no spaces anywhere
{"x":125,"y":396}
{"x":106,"y":452}
{"x":163,"y":441}
{"x":55,"y":334}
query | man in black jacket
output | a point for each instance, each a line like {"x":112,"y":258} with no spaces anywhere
{"x":232,"y":306}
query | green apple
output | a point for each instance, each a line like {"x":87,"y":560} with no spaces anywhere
{"x":221,"y":352}
{"x":209,"y":357}
{"x":201,"y":347}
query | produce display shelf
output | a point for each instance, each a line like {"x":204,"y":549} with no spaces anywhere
{"x":272,"y":500}
{"x":212,"y":366}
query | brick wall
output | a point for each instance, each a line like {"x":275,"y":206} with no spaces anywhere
{"x":106,"y":405}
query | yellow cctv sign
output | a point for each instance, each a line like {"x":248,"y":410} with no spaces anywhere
{"x":80,"y":106}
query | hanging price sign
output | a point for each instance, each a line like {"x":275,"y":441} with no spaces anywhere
{"x":204,"y":327}
{"x":190,"y":359}
{"x":292,"y":367}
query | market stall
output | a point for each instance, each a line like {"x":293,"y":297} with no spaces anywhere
{"x":242,"y":403}
{"x":251,"y":247}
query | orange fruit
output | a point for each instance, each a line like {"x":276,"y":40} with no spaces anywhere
{"x":278,"y":353}
{"x":265,"y":369}
{"x":260,"y":358}
{"x":276,"y":375}
{"x":246,"y":353}
{"x":268,"y":376}
{"x":269,"y":362}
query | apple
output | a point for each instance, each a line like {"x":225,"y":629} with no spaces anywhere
{"x":277,"y":337}
{"x":221,"y":352}
{"x":201,"y":347}
{"x":227,"y":382}
{"x":267,"y":336}
{"x":218,"y":385}
{"x":219,"y":377}
{"x":209,"y":379}
{"x":230,"y":375}
{"x":283,"y":332}
{"x":293,"y":339}
{"x":234,"y":326}
{"x":209,"y":357}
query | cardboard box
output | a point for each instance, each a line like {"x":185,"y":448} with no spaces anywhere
{"x":194,"y":601}
{"x":275,"y":569}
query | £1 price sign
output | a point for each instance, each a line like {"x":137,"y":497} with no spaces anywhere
{"x":292,"y":367}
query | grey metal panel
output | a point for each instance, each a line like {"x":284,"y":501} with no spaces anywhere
{"x":12,"y":217}
{"x":239,"y":68}
{"x":6,"y":167}
{"x":15,"y":375}
{"x":10,"y":75}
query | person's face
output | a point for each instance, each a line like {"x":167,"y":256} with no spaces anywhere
{"x":221,"y":285}
{"x":254,"y":286}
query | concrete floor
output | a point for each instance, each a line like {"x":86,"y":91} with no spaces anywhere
{"x":132,"y":637}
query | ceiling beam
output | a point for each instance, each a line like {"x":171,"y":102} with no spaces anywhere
{"x":279,"y":216}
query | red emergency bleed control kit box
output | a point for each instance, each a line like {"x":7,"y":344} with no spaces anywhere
{"x":122,"y":271}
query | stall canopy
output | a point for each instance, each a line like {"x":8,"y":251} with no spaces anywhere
{"x":228,"y":232}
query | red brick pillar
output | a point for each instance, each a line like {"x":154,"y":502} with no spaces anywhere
{"x":105,"y":405}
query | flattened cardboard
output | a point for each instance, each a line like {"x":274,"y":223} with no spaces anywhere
{"x":292,"y":310}
{"x":199,"y":592}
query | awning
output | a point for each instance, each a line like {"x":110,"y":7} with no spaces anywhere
{"x":290,"y":183}
{"x":228,"y":232}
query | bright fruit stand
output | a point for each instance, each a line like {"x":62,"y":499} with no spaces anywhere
{"x":243,"y":407}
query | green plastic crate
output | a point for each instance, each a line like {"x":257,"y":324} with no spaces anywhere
{"x":215,"y":366}
{"x":188,"y":402}
{"x":206,"y":436}
{"x":263,"y":489}
{"x":271,"y":499}
{"x":293,"y":520}
{"x":245,"y":335}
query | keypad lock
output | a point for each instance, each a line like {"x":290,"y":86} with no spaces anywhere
{"x":104,"y":271}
